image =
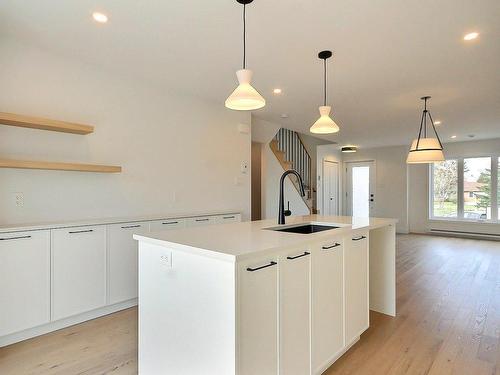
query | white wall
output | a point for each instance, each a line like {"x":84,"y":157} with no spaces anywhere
{"x":391,"y":198}
{"x":179,"y":154}
{"x":327,"y":153}
{"x":419,"y":189}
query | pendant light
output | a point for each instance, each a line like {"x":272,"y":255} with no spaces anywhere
{"x":324,"y":125}
{"x":245,"y":97}
{"x":424,"y":149}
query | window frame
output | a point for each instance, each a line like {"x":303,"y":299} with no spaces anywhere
{"x":495,"y":164}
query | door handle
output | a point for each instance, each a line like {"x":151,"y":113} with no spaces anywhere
{"x":262,"y":267}
{"x":336,"y":244}
{"x":170,"y":222}
{"x":14,"y":238}
{"x":298,"y":256}
{"x":81,"y":231}
{"x":359,"y":238}
{"x":130,"y":226}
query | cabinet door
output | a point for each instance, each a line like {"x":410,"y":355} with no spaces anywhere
{"x":79,"y":270}
{"x":202,"y":220}
{"x":295,"y":335}
{"x":24,"y":280}
{"x":122,"y":260}
{"x":356,"y":285}
{"x":327,"y":303}
{"x":166,"y":224}
{"x":258,"y":317}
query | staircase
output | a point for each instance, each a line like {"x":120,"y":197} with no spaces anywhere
{"x":291,"y":154}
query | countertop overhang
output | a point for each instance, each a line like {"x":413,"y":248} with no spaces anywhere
{"x":236,"y":241}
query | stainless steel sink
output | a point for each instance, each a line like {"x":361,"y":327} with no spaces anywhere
{"x":307,"y":228}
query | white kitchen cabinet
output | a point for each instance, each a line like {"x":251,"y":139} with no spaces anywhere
{"x":79,"y":270}
{"x":167,"y":224}
{"x":294,"y":312}
{"x":327,"y":303}
{"x":356,"y":270}
{"x":24,"y":280}
{"x":122,"y":260}
{"x":202,"y":220}
{"x":258,"y":317}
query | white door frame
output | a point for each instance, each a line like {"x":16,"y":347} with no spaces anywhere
{"x":345,"y":183}
{"x":323,"y":201}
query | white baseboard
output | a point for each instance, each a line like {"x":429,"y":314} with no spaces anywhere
{"x":63,"y":323}
{"x":325,"y":366}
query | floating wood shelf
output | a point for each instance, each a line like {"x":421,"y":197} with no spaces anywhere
{"x":25,"y":164}
{"x":44,"y":124}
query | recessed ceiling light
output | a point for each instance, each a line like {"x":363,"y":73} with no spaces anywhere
{"x":277,"y":91}
{"x":471,"y":36}
{"x":453,"y":137}
{"x":437,"y":122}
{"x":100,"y":17}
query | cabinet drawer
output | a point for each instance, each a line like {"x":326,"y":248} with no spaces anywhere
{"x":122,"y":260}
{"x":202,"y":220}
{"x":166,"y":224}
{"x":79,"y":270}
{"x":24,"y":280}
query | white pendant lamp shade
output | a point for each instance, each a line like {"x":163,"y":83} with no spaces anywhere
{"x":245,"y":97}
{"x":324,"y":125}
{"x":425,"y":149}
{"x":429,"y":150}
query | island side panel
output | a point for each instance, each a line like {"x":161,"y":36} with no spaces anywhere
{"x":383,"y":270}
{"x":186,"y":313}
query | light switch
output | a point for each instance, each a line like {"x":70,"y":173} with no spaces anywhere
{"x":166,"y":260}
{"x":244,"y":167}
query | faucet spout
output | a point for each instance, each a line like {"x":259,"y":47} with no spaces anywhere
{"x":281,"y":213}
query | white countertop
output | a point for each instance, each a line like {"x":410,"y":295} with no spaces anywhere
{"x":117,"y":220}
{"x":238,"y":240}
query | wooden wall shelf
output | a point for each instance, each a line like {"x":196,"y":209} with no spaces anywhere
{"x":25,"y":164}
{"x":44,"y":124}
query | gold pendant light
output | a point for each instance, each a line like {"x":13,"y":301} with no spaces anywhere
{"x":325,"y":124}
{"x":245,"y":97}
{"x":424,"y":149}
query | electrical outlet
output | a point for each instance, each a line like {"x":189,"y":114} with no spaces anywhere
{"x":19,"y":199}
{"x":244,"y":167}
{"x":166,"y":260}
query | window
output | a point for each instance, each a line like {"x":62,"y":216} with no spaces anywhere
{"x":466,"y":189}
{"x":445,"y":187}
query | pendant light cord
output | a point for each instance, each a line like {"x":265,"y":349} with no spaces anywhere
{"x":244,"y":37}
{"x":324,"y":63}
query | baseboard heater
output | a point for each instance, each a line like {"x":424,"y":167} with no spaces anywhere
{"x":465,"y":233}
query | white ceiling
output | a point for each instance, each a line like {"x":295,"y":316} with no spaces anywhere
{"x":387,"y":53}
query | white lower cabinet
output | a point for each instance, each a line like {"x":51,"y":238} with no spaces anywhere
{"x":327,"y":303}
{"x":356,"y":285}
{"x":294,"y":312}
{"x":24,"y":280}
{"x":122,"y":260}
{"x":258,"y":317}
{"x":78,"y":270}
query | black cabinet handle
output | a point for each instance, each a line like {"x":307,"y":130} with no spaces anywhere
{"x":261,"y":267}
{"x":336,"y":244}
{"x":14,"y":238}
{"x":203,"y":219}
{"x":298,"y":256}
{"x":228,"y":217}
{"x":359,"y":238}
{"x":81,"y":231}
{"x":170,"y":222}
{"x":130,"y":226}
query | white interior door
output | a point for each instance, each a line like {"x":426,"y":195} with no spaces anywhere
{"x":330,"y":204}
{"x":360,"y":188}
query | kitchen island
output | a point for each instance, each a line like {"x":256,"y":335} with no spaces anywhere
{"x":257,"y":298}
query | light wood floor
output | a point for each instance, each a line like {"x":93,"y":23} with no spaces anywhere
{"x":448,"y":323}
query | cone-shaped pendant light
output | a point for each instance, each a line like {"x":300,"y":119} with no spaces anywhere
{"x":245,"y":97}
{"x":424,"y":149}
{"x":324,"y":125}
